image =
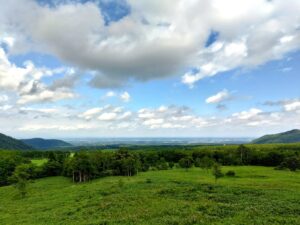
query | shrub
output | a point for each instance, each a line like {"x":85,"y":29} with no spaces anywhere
{"x":148,"y":181}
{"x":230,"y":173}
{"x":186,"y":162}
{"x":171,"y":164}
{"x":217,"y":172}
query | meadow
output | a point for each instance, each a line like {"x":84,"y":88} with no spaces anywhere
{"x":256,"y":195}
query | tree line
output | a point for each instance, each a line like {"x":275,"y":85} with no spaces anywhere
{"x":16,"y":167}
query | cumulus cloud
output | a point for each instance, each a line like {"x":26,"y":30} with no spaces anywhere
{"x":110,"y":94}
{"x":219,"y":97}
{"x":125,"y":96}
{"x":288,"y":105}
{"x":156,"y":39}
{"x":26,"y":82}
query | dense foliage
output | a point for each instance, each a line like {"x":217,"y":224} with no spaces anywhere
{"x":86,"y":165}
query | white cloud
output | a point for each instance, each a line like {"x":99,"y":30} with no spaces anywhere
{"x":3,"y":98}
{"x":219,"y":97}
{"x":125,"y":96}
{"x":26,"y":82}
{"x":90,"y":113}
{"x":110,"y":94}
{"x":292,"y":106}
{"x":46,"y":96}
{"x":5,"y":107}
{"x":245,"y":115}
{"x":156,"y":39}
{"x":108,"y":116}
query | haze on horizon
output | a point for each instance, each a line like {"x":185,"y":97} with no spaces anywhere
{"x":139,"y":68}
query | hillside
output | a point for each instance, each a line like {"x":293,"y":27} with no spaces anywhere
{"x":165,"y":197}
{"x":285,"y":137}
{"x":40,"y":143}
{"x":9,"y":143}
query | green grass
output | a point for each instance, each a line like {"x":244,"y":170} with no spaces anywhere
{"x":257,"y":195}
{"x":39,"y":162}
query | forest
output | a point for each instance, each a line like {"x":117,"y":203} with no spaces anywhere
{"x":83,"y":166}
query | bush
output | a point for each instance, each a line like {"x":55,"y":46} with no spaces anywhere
{"x":230,"y":173}
{"x":186,"y":162}
{"x":171,"y":164}
{"x":162,"y":166}
{"x":148,"y":181}
{"x":217,"y":171}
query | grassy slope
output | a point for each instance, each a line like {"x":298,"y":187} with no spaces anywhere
{"x":291,"y":136}
{"x":39,"y":162}
{"x":258,"y":195}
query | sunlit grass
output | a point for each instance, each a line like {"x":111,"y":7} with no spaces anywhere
{"x":257,"y":195}
{"x":39,"y":162}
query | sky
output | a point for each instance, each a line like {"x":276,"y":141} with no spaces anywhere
{"x":140,"y":68}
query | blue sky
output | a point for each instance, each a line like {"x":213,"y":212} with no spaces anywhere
{"x":139,"y":68}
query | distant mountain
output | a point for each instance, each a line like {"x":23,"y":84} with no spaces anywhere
{"x":285,"y":137}
{"x":40,"y":143}
{"x":9,"y":143}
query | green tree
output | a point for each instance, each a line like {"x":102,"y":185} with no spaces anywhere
{"x":292,"y":163}
{"x":243,"y":152}
{"x":186,"y":162}
{"x":205,"y":163}
{"x":82,"y":167}
{"x":217,"y":171}
{"x":20,"y":177}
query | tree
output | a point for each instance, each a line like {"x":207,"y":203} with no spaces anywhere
{"x":20,"y":177}
{"x":217,"y":172}
{"x":292,"y":163}
{"x":205,"y":163}
{"x":52,"y":168}
{"x":243,"y":151}
{"x":82,"y":167}
{"x":186,"y":162}
{"x":126,"y":163}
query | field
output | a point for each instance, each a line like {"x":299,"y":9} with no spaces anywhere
{"x":39,"y":162}
{"x":257,"y":195}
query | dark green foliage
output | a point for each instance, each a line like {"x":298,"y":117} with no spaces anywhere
{"x":230,"y":173}
{"x":130,"y":162}
{"x":39,"y":143}
{"x":9,"y":143}
{"x":20,"y":177}
{"x":186,"y":162}
{"x":244,"y":154}
{"x":52,"y":168}
{"x":204,"y":163}
{"x":126,"y":163}
{"x":285,"y":137}
{"x":8,"y":162}
{"x":81,"y":167}
{"x":291,"y":163}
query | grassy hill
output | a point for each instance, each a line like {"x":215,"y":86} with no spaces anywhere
{"x":285,"y":137}
{"x":257,"y":195}
{"x":39,"y":143}
{"x":9,"y":143}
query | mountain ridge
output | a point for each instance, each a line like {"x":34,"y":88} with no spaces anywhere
{"x":290,"y":136}
{"x":10,"y":143}
{"x":41,"y":143}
